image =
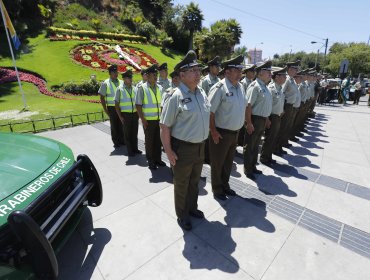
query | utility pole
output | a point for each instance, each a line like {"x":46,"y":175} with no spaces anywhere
{"x":326,"y":48}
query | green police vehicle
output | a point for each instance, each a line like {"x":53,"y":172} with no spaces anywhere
{"x":43,"y":193}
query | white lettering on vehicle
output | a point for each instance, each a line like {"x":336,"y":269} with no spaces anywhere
{"x":8,"y":205}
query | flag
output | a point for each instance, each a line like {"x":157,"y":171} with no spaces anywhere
{"x":10,"y":27}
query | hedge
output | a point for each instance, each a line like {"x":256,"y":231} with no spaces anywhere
{"x":91,"y":33}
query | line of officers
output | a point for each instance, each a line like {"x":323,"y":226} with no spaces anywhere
{"x":201,"y":120}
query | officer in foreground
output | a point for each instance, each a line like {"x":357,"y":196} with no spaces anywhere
{"x":227,"y":117}
{"x":107,"y":93}
{"x":258,"y":110}
{"x":148,"y":104}
{"x":275,"y":88}
{"x":126,"y":110}
{"x":184,"y":127}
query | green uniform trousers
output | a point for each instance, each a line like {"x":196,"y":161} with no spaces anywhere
{"x":251,"y":144}
{"x":285,"y":126}
{"x":241,"y":136}
{"x":300,"y":118}
{"x":186,"y":175}
{"x":116,"y":129}
{"x":130,"y":130}
{"x":222,"y":156}
{"x":270,"y":138}
{"x":153,"y":142}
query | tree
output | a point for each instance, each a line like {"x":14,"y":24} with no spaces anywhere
{"x":211,"y":43}
{"x":358,"y":55}
{"x":229,"y":26}
{"x":192,"y":18}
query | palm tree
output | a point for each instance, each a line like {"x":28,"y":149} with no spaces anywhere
{"x":192,"y":20}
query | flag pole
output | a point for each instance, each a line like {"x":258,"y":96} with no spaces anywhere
{"x":13,"y":58}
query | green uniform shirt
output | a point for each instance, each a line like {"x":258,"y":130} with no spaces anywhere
{"x":290,"y":90}
{"x":304,"y":90}
{"x":246,"y":82}
{"x":298,"y":98}
{"x":260,"y":98}
{"x":207,"y":82}
{"x":278,"y":98}
{"x":164,"y":83}
{"x":311,"y":89}
{"x":187,"y":114}
{"x":167,"y":94}
{"x":228,"y":103}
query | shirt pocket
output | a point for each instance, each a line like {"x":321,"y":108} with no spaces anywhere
{"x":187,"y":107}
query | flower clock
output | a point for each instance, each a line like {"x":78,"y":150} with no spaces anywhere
{"x":101,"y":56}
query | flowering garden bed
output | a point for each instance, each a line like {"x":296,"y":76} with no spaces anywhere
{"x":101,"y":56}
{"x":8,"y":75}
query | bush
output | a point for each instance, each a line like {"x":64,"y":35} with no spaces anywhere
{"x":86,"y":88}
{"x":147,"y":30}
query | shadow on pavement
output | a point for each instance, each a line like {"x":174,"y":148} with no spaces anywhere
{"x":303,"y":149}
{"x":162,"y":174}
{"x":79,"y":256}
{"x":300,"y":161}
{"x":284,"y":170}
{"x":201,"y":186}
{"x":273,"y":185}
{"x":240,"y":213}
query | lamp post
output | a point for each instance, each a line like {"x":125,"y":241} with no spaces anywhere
{"x":326,"y":48}
{"x":290,"y":53}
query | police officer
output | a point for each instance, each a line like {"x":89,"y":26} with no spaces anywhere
{"x":271,"y":132}
{"x":107,"y":93}
{"x":303,"y":88}
{"x":206,"y":84}
{"x":163,"y":79}
{"x":211,"y":79}
{"x":126,"y":110}
{"x":227,"y":117}
{"x":258,"y":109}
{"x":184,"y":127}
{"x":221,"y":74}
{"x":148,"y":104}
{"x":144,"y":78}
{"x":290,"y":90}
{"x":205,"y":71}
{"x":175,"y":81}
{"x":250,"y":75}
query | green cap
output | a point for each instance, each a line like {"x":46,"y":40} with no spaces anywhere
{"x":266,"y":65}
{"x":250,"y":67}
{"x":127,"y":74}
{"x":190,"y":60}
{"x":174,"y":74}
{"x":112,"y":68}
{"x":163,"y":66}
{"x":235,"y":62}
{"x":281,"y":71}
{"x":152,"y":69}
{"x":294,"y":64}
{"x":215,"y":61}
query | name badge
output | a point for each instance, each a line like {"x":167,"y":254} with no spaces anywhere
{"x":186,"y":100}
{"x":229,"y":94}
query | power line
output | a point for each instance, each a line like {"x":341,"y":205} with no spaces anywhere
{"x":268,"y":20}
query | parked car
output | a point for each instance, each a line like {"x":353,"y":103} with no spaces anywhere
{"x":43,"y":194}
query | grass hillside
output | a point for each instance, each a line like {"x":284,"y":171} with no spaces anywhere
{"x":52,"y":61}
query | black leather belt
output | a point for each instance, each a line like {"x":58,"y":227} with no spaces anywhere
{"x":258,"y":117}
{"x":185,"y":142}
{"x":227,"y":130}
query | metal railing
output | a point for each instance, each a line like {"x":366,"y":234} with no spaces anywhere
{"x":38,"y":125}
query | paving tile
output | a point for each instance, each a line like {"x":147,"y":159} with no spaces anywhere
{"x":306,"y":256}
{"x":359,"y":191}
{"x":191,"y":258}
{"x":138,"y":234}
{"x":241,"y":230}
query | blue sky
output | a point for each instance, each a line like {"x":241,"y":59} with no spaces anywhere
{"x":337,"y":20}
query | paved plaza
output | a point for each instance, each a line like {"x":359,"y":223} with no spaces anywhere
{"x":308,"y":217}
